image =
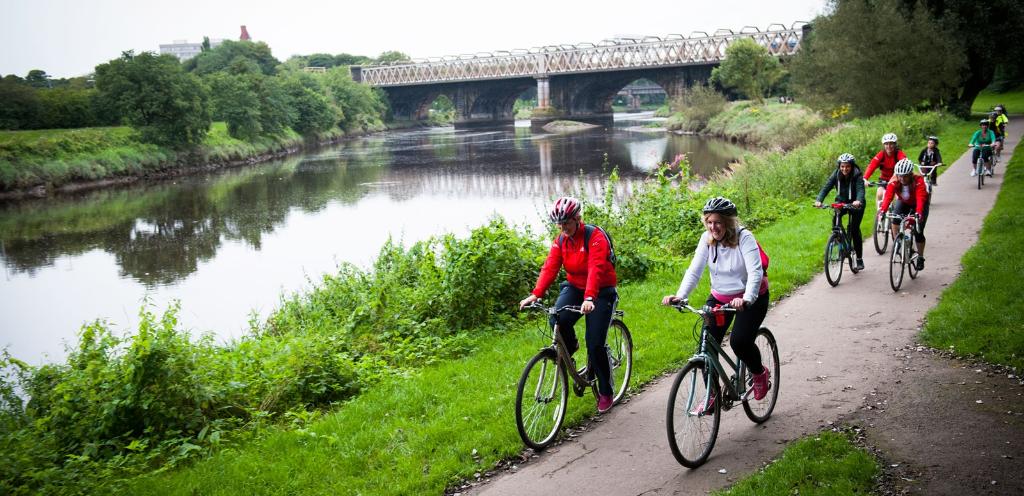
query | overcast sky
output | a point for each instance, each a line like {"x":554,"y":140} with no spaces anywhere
{"x":69,"y":37}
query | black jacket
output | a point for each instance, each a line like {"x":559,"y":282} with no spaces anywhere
{"x":936,"y":157}
{"x":848,"y":190}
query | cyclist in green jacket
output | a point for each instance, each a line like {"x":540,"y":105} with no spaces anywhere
{"x":982,"y":141}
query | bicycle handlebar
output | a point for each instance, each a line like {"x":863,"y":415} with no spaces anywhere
{"x":840,"y":205}
{"x":702,"y":311}
{"x":537,"y":305}
{"x":880,"y":184}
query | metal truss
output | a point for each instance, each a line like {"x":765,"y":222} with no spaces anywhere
{"x":608,"y":55}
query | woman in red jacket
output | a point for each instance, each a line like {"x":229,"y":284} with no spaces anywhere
{"x":908,"y":194}
{"x":885,"y":161}
{"x":590,"y":283}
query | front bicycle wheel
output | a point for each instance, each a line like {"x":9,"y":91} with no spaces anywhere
{"x":896,"y":264}
{"x":760,"y":410}
{"x":693,"y":414}
{"x":979,"y":170}
{"x":541,"y":398}
{"x":620,"y":356}
{"x":833,"y":260}
{"x":881,"y":235}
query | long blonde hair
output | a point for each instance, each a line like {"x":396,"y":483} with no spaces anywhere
{"x":732,"y":230}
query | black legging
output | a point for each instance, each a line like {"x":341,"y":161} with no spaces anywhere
{"x":597,"y":328}
{"x":854,"y":229}
{"x":743,"y":333}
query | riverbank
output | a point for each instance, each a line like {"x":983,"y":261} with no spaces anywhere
{"x":37,"y":164}
{"x":770,"y":125}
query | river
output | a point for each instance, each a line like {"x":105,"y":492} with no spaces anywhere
{"x":228,"y":245}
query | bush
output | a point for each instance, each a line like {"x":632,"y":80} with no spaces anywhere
{"x":695,"y":108}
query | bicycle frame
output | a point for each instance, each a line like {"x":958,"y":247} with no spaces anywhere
{"x":926,"y":172}
{"x":579,"y":379}
{"x":711,"y":357}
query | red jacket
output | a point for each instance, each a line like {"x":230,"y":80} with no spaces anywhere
{"x":916,"y":194}
{"x":588,"y":270}
{"x":886,"y":162}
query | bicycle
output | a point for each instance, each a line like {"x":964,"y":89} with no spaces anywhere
{"x":880,"y":234}
{"x":904,"y":251}
{"x":979,"y":165}
{"x":926,"y":172}
{"x":840,"y":245}
{"x":695,"y":402}
{"x":542,"y":393}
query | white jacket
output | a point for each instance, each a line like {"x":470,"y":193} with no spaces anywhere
{"x":733,"y":270}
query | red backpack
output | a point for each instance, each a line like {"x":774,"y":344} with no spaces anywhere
{"x":764,"y":256}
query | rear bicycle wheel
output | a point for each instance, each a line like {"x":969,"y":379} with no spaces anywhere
{"x":759,"y":410}
{"x":620,"y":356}
{"x":833,"y":260}
{"x":896,"y":264}
{"x":881,"y":235}
{"x":693,"y":415}
{"x":541,"y":398}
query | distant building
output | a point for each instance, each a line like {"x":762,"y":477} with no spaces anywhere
{"x":185,"y":50}
{"x":314,"y":69}
{"x":245,"y":34}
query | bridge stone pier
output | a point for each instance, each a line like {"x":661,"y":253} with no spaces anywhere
{"x":574,"y":82}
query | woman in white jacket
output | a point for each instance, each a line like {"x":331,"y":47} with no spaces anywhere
{"x":733,"y":259}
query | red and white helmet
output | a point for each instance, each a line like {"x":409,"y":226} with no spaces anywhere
{"x":565,"y":208}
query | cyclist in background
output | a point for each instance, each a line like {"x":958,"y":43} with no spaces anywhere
{"x":983,"y":136}
{"x":733,"y":258}
{"x":930,"y":157}
{"x":908,"y":195}
{"x":1000,"y":125}
{"x":993,"y":117}
{"x":849,"y":185}
{"x":885,"y":161}
{"x":590,"y":282}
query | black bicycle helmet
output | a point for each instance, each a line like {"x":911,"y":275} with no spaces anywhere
{"x":720,"y":205}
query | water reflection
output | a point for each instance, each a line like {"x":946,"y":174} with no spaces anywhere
{"x":246,"y":235}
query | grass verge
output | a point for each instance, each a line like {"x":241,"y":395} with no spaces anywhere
{"x":1013,"y":100}
{"x":449,"y":422}
{"x":822,"y":464}
{"x":980,"y":313}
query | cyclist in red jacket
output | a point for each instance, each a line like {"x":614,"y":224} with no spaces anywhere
{"x":590,"y":283}
{"x":885,"y":161}
{"x":908,"y":194}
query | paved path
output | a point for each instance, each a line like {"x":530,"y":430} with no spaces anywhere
{"x":829,"y":371}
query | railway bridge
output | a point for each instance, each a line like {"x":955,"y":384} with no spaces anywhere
{"x":575,"y":82}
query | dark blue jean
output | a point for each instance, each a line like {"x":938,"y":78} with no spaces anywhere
{"x":597,"y":328}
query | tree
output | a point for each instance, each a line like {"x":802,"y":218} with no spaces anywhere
{"x":233,"y":101}
{"x":854,"y":56}
{"x":359,"y":104}
{"x":314,"y":111}
{"x":988,"y":35}
{"x":156,"y":97}
{"x":749,"y":68}
{"x":66,"y":107}
{"x":227,"y":54}
{"x":392,"y":56}
{"x":38,"y":78}
{"x":205,"y":47}
{"x":349,"y":59}
{"x":19,"y":104}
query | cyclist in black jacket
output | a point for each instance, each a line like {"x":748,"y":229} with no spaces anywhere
{"x":848,"y":181}
{"x":931,"y":156}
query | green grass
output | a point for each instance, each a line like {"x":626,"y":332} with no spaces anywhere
{"x":1013,"y":100}
{"x":822,"y":464}
{"x":417,"y":434}
{"x":56,"y":157}
{"x":981,"y":313}
{"x":770,"y":124}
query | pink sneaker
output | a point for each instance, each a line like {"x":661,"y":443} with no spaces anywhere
{"x":761,"y":385}
{"x":604,"y":403}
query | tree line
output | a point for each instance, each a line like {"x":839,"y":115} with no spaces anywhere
{"x":173,"y":103}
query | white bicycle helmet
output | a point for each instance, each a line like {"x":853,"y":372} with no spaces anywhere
{"x":889,"y":138}
{"x":846,"y":157}
{"x":565,"y":208}
{"x":904,"y":167}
